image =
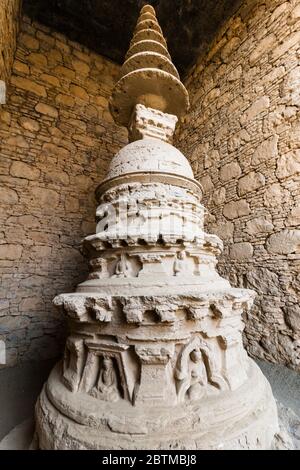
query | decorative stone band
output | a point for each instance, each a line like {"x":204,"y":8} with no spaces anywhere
{"x":150,"y":177}
{"x":214,"y":304}
{"x":148,"y":122}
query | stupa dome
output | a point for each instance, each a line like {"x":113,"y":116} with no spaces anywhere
{"x":148,"y":155}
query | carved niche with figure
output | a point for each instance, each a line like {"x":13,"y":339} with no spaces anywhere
{"x":196,"y":371}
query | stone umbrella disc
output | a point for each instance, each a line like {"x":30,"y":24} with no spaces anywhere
{"x":149,"y":60}
{"x":148,"y":45}
{"x":148,"y":24}
{"x":148,"y":34}
{"x":147,"y":16}
{"x":133,"y":87}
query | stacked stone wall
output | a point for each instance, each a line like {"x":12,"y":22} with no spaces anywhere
{"x":9,"y":24}
{"x":56,"y":139}
{"x":242,"y":136}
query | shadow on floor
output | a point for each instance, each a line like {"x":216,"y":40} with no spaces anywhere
{"x":19,"y":389}
{"x":285,"y":384}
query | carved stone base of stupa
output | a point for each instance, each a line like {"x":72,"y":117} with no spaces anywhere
{"x":243,"y":419}
{"x":165,"y":370}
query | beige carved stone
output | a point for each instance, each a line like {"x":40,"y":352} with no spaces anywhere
{"x":148,"y":76}
{"x":155,"y":358}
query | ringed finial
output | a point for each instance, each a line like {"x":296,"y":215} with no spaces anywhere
{"x":148,"y":75}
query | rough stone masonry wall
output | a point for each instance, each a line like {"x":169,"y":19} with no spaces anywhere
{"x":242,"y":136}
{"x":9,"y":23}
{"x":56,"y":138}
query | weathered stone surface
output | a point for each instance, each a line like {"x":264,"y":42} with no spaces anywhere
{"x":55,"y":150}
{"x":235,"y":74}
{"x":250,"y":182}
{"x":29,"y":85}
{"x":229,"y":47}
{"x":79,"y":92}
{"x":8,"y":196}
{"x":65,"y":100}
{"x":38,"y":59}
{"x":230,"y":171}
{"x":206,"y":183}
{"x":295,"y":15}
{"x":260,"y":105}
{"x":211,"y":158}
{"x":294,"y":216}
{"x":288,"y":164}
{"x":10,"y":251}
{"x":233,"y":210}
{"x":29,"y":124}
{"x":237,"y":140}
{"x":50,"y":79}
{"x":284,"y":242}
{"x":264,"y":47}
{"x":20,"y":67}
{"x":291,"y":41}
{"x":262,"y":280}
{"x":273,"y":195}
{"x":23,"y":170}
{"x":259,"y":225}
{"x":224,"y":231}
{"x":241,"y":251}
{"x":81,"y":67}
{"x":292,"y":317}
{"x":267,"y":150}
{"x":290,"y":87}
{"x":46,"y":109}
{"x":18,"y":141}
{"x":29,"y":41}
{"x":64,"y":72}
{"x":45,"y":197}
{"x":101,"y":101}
{"x":58,"y":177}
{"x":30,"y":303}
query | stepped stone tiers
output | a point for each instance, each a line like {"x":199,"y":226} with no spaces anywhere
{"x":155,"y":358}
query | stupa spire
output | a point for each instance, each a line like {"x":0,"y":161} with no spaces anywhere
{"x":148,"y":75}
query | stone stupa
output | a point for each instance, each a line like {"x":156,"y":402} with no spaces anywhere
{"x":155,"y":358}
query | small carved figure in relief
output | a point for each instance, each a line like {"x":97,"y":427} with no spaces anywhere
{"x":198,"y":376}
{"x":122,"y":267}
{"x":191,"y":373}
{"x":179,"y":263}
{"x":99,"y":266}
{"x":107,"y":385}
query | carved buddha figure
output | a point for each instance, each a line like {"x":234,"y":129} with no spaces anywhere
{"x":122,"y":267}
{"x":107,"y":385}
{"x":198,"y":376}
{"x":179,"y":263}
